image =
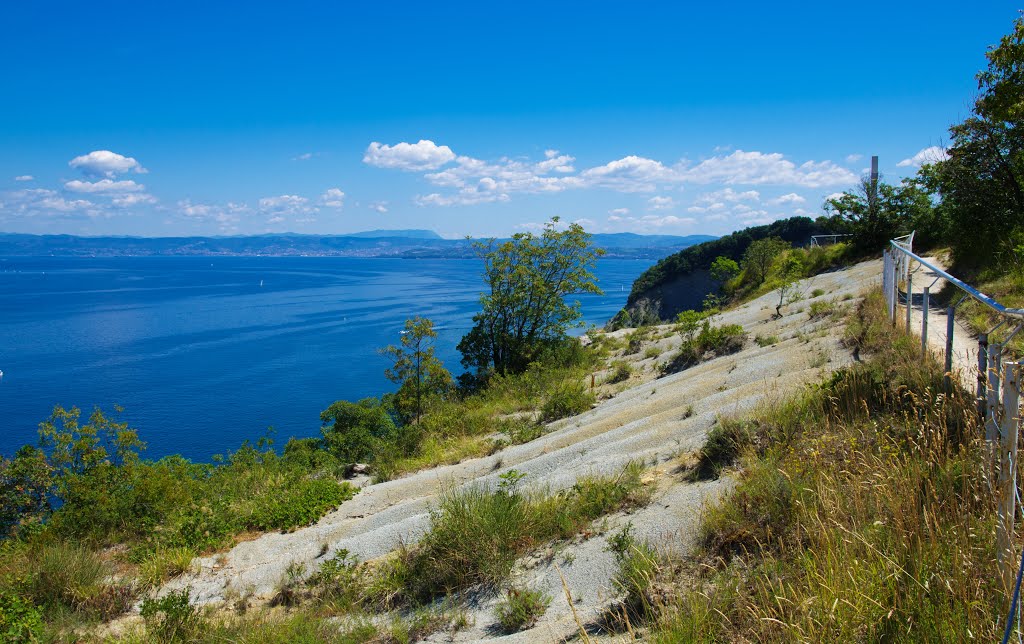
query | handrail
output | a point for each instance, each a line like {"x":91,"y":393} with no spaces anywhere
{"x":970,"y":290}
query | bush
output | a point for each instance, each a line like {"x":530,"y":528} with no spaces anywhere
{"x":713,"y":340}
{"x":172,"y":618}
{"x":20,"y":621}
{"x":637,"y":568}
{"x":521,"y":608}
{"x":353,"y":432}
{"x":300,"y":504}
{"x":822,"y":308}
{"x":569,"y":399}
{"x":766,"y":340}
{"x":725,"y":442}
{"x":620,"y":372}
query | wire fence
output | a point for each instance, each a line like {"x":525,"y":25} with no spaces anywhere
{"x":981,"y":362}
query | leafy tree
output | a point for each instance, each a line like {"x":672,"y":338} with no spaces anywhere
{"x":874,"y":213}
{"x":421,"y":375}
{"x":355,"y":432}
{"x":759,"y":257}
{"x":724,"y":269}
{"x":982,"y":181}
{"x":26,"y":483}
{"x":525,"y":310}
{"x":791,"y":272}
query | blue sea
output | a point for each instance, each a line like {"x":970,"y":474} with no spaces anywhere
{"x":204,"y":353}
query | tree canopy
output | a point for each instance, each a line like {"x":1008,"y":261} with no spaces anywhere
{"x":420,"y":374}
{"x":525,"y":309}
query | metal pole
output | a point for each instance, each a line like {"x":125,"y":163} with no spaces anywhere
{"x":924,"y":322}
{"x":1009,"y":428}
{"x":982,"y":375}
{"x":992,"y":430}
{"x":948,"y":368}
{"x":910,"y":298}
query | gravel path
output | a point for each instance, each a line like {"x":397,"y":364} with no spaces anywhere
{"x":648,"y":420}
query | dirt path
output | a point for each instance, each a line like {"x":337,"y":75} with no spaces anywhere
{"x":649,"y":420}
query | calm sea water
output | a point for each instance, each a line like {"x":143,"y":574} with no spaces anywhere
{"x":204,"y":353}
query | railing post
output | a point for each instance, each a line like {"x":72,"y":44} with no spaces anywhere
{"x":1009,"y":429}
{"x":982,"y":375}
{"x":992,"y":430}
{"x":924,"y":322}
{"x":910,"y":298}
{"x":948,"y":367}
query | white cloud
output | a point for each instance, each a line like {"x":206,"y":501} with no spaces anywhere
{"x":286,"y":205}
{"x":425,"y":155}
{"x":834,"y":195}
{"x":932,"y":154}
{"x":133,"y":199}
{"x":618,"y":212}
{"x":104,"y":163}
{"x":854,"y":158}
{"x":24,"y":177}
{"x":379,"y":206}
{"x":104,"y":186}
{"x":555,"y":162}
{"x":38,"y":202}
{"x":729,"y":195}
{"x":275,"y":220}
{"x":754,"y":168}
{"x":332,"y":198}
{"x":661,"y":203}
{"x":226,"y":216}
{"x":791,"y":198}
{"x":629,"y":174}
{"x":464,"y":198}
{"x":305,"y":156}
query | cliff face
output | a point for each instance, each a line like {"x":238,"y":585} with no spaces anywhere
{"x":681,"y":281}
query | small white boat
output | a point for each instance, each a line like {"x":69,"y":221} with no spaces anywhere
{"x":261,"y":282}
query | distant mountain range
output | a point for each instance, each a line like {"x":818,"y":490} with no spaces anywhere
{"x":408,"y":244}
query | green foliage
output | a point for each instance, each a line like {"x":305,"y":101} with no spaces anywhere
{"x":526,"y":310}
{"x":789,"y":274}
{"x":172,"y":618}
{"x":796,"y":230}
{"x":759,"y":257}
{"x":874,"y":213}
{"x":766,"y":340}
{"x":420,"y":374}
{"x":822,"y":308}
{"x":620,"y":372}
{"x":354,"y":432}
{"x":568,"y":399}
{"x":724,"y":444}
{"x":521,"y":608}
{"x":724,"y":269}
{"x":26,"y":483}
{"x":637,"y":570}
{"x":477,"y":534}
{"x":710,"y":340}
{"x":20,"y":621}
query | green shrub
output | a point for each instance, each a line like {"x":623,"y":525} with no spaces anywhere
{"x":165,"y":564}
{"x":818,"y":292}
{"x":714,"y":340}
{"x":300,"y":504}
{"x":172,"y":618}
{"x":637,"y":568}
{"x":569,"y":399}
{"x":620,"y":372}
{"x":822,"y":308}
{"x":20,"y":620}
{"x":353,"y":432}
{"x":766,"y":340}
{"x":521,"y":608}
{"x":724,"y":444}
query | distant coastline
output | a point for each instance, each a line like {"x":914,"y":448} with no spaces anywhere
{"x":399,"y":244}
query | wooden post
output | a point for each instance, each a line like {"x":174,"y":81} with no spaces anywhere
{"x":992,"y":431}
{"x":924,"y":323}
{"x":591,"y":383}
{"x":1007,"y":496}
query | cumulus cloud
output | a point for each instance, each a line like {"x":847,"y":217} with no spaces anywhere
{"x":225,"y":216}
{"x":932,"y":154}
{"x":754,"y":168}
{"x":729,"y":195}
{"x":332,"y":198}
{"x":629,"y":174}
{"x":379,"y":206}
{"x":133,"y":199}
{"x":104,"y":186}
{"x":24,"y":177}
{"x":854,"y":158}
{"x":661,"y":203}
{"x":791,"y":198}
{"x":424,"y":155}
{"x":41,"y":202}
{"x":286,"y":205}
{"x":104,"y":163}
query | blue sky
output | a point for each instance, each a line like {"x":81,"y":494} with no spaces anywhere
{"x":231,"y":118}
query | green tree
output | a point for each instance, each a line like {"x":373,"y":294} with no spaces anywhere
{"x":982,"y":181}
{"x":790,"y":273}
{"x":525,"y":310}
{"x":724,"y":269}
{"x":874,"y":213}
{"x":26,"y":485}
{"x":357,"y":432}
{"x":420,"y":374}
{"x":758,"y":258}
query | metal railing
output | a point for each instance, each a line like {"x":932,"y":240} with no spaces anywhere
{"x":998,"y":379}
